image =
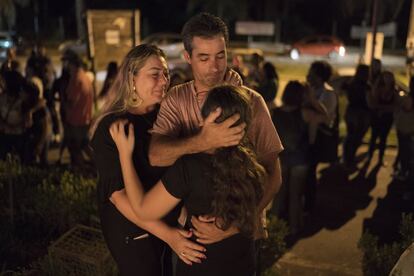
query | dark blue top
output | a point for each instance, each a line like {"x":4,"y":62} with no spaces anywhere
{"x":293,"y":132}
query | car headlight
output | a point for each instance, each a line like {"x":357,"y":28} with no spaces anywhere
{"x":5,"y":44}
{"x":341,"y":51}
{"x":294,"y":54}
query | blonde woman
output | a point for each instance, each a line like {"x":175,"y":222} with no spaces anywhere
{"x":134,"y":96}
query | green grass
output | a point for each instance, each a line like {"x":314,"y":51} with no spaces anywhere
{"x":401,"y":76}
{"x":292,"y":71}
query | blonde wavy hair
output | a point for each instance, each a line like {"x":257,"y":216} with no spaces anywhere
{"x":121,"y":94}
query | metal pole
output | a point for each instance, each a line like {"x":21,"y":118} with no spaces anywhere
{"x":11,"y":204}
{"x":36,"y":20}
{"x":374,"y":28}
{"x":91,"y":55}
{"x":80,"y":27}
{"x":14,"y":168}
{"x":410,"y":33}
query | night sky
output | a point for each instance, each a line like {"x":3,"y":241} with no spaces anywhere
{"x":297,"y":17}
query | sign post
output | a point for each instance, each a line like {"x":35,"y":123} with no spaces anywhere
{"x":372,"y":51}
{"x":111,"y":34}
{"x":410,"y":34}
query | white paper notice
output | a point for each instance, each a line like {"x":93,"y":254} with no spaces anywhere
{"x":112,"y":37}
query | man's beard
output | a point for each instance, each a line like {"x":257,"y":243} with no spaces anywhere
{"x":214,"y":79}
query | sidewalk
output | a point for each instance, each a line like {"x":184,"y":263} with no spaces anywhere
{"x":346,"y":205}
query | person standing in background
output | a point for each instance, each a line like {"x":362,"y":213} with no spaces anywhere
{"x":78,"y":108}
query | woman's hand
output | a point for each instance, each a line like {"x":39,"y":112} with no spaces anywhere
{"x":124,"y":142}
{"x":188,"y":251}
{"x":28,"y":120}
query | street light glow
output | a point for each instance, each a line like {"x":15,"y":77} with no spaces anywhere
{"x":342,"y":51}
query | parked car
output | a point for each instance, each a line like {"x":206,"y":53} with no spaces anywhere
{"x":6,"y":41}
{"x":322,"y":45}
{"x":78,"y":46}
{"x":170,"y":43}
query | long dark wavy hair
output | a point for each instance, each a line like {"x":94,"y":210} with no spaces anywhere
{"x":237,"y":176}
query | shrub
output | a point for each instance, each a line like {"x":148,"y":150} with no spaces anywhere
{"x":379,"y":260}
{"x":45,"y":204}
{"x":274,"y":246}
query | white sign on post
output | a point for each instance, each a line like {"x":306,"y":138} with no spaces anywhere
{"x":255,"y":28}
{"x":388,"y":30}
{"x":112,"y":37}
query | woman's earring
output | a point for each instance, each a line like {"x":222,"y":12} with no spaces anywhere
{"x":134,"y":100}
{"x":134,"y":97}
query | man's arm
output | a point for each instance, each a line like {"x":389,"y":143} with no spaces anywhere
{"x":165,"y":150}
{"x":273,"y":181}
{"x":267,"y":144}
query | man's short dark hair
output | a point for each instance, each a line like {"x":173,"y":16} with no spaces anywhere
{"x":203,"y":25}
{"x":72,"y":57}
{"x":322,"y":69}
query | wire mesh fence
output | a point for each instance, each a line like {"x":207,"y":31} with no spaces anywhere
{"x":82,"y":251}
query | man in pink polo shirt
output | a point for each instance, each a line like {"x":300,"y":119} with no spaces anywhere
{"x":180,"y":129}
